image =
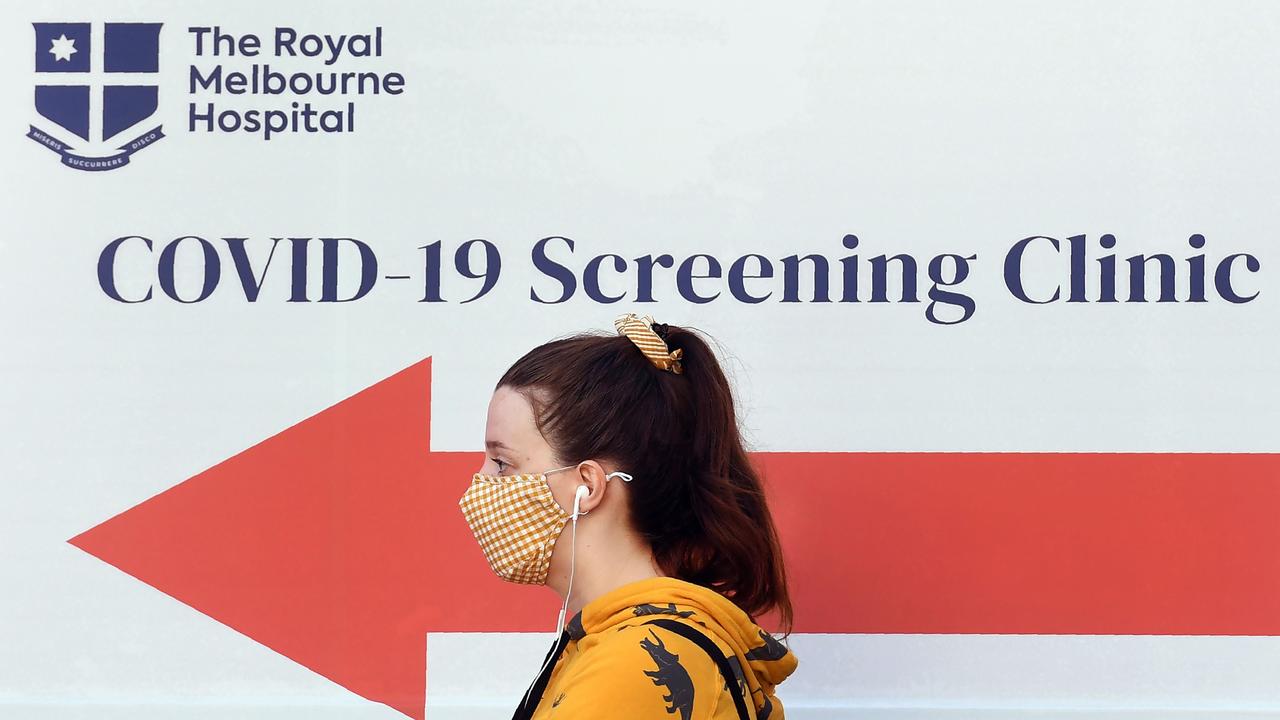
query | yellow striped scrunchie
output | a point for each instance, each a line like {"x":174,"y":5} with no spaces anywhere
{"x":639,"y":328}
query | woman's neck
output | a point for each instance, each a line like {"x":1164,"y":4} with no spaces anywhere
{"x":607,"y":571}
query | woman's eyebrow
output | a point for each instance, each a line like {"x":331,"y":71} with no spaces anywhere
{"x":497,"y":444}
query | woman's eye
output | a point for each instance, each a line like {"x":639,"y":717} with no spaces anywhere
{"x":499,"y":463}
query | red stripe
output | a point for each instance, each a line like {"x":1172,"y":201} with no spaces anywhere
{"x":1125,"y":543}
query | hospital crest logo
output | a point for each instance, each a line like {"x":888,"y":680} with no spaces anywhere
{"x":96,"y":88}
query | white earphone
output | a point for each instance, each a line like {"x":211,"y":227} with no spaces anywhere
{"x":582,"y":492}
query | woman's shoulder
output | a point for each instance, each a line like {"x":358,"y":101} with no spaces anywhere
{"x":654,"y":639}
{"x":647,"y":665}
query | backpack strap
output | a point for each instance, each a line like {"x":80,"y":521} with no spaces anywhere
{"x":722,"y":662}
{"x":533,"y":695}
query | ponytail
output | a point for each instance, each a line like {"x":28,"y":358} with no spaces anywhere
{"x":733,"y":546}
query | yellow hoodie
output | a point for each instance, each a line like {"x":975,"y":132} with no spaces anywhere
{"x":611,"y":665}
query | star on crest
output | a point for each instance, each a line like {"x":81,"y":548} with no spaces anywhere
{"x":63,"y":47}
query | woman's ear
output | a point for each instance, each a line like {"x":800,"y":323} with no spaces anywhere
{"x":592,"y":477}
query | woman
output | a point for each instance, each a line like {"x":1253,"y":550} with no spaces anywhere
{"x":631,"y":441}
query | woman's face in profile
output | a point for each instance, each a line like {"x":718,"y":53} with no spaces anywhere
{"x":513,"y":445}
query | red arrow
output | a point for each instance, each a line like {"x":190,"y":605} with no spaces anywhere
{"x":339,"y":544}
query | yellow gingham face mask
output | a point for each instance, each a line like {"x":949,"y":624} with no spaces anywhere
{"x":516,"y":520}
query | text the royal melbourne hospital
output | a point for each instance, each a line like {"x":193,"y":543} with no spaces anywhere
{"x":289,"y":93}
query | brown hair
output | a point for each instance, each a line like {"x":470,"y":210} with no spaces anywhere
{"x":696,"y":497}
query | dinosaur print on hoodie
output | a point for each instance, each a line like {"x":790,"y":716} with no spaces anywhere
{"x":615,"y":666}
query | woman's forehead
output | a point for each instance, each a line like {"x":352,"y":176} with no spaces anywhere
{"x":510,"y":421}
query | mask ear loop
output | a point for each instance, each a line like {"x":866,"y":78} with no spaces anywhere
{"x":625,"y":477}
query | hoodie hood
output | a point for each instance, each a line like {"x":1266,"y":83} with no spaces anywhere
{"x":765,"y":661}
